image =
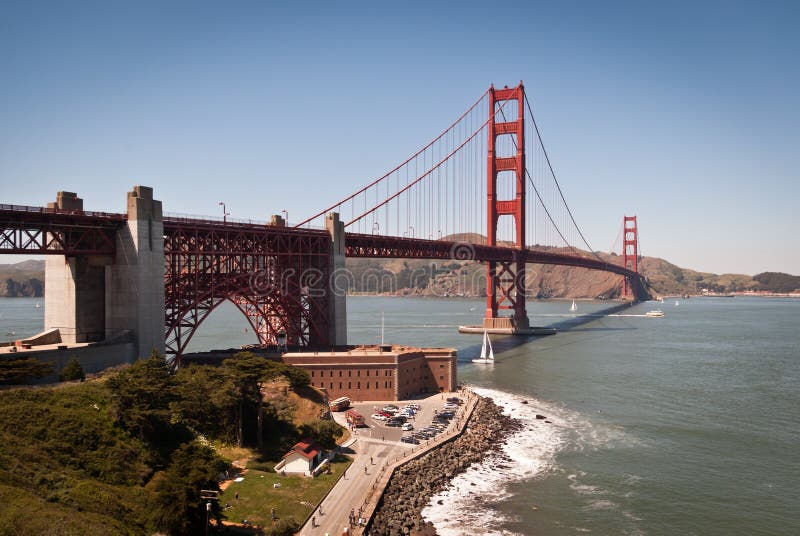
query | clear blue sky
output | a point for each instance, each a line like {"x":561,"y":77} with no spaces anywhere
{"x":684,"y":113}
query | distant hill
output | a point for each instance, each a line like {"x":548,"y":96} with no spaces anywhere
{"x":24,"y":278}
{"x":467,"y":278}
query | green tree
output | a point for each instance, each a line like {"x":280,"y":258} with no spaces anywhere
{"x":207,"y":401}
{"x":179,"y":507}
{"x":248,"y":372}
{"x":141,"y":397}
{"x":72,"y":371}
{"x":323,"y":432}
{"x":23,"y":369}
{"x":297,"y":376}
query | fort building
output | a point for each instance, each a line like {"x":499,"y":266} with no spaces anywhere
{"x":379,"y":372}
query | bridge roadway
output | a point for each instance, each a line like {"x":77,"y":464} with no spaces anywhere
{"x":379,"y":450}
{"x":48,"y":231}
{"x":365,"y":245}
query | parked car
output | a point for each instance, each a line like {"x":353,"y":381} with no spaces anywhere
{"x":410,"y":439}
{"x":393,"y":423}
{"x":379,"y":417}
{"x":391,"y":408}
{"x":454,"y":400}
{"x":407,"y":427}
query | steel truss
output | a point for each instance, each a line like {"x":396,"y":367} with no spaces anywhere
{"x":277,"y":277}
{"x":47,"y":231}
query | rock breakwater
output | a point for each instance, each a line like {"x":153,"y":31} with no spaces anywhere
{"x":412,"y":485}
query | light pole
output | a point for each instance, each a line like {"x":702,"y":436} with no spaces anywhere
{"x":209,"y":495}
{"x":225,"y":212}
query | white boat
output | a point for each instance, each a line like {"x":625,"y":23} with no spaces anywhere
{"x":38,"y":305}
{"x":573,"y":307}
{"x":676,"y":303}
{"x":487,"y":343}
{"x":654,"y":313}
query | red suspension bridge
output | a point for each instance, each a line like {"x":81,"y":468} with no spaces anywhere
{"x":481,"y":190}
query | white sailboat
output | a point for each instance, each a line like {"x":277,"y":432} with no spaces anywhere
{"x":573,"y":307}
{"x":487,"y":343}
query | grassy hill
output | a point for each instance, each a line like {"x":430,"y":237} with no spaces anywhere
{"x":129,"y":453}
{"x":64,"y":464}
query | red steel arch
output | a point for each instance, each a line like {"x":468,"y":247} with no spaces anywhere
{"x":276,"y":276}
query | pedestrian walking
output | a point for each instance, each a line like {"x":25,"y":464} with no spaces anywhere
{"x":370,"y":461}
{"x":236,"y":495}
{"x":365,"y":469}
{"x":313,"y":522}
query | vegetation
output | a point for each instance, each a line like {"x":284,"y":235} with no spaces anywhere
{"x":15,"y":370}
{"x":778,"y":282}
{"x":72,"y":371}
{"x":131,"y":453}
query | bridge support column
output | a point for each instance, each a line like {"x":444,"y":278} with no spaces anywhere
{"x":74,"y":299}
{"x":135,"y":281}
{"x":630,"y":253}
{"x":505,"y":281}
{"x":337,"y":315}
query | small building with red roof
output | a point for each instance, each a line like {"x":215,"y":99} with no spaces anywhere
{"x":304,"y":458}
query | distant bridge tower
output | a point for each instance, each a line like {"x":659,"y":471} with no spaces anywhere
{"x":505,"y":281}
{"x":630,"y":252}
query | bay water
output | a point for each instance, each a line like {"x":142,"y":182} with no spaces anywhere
{"x":684,"y":424}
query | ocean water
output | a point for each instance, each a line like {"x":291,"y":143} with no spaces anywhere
{"x":686,"y":424}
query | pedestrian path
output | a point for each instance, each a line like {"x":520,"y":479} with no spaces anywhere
{"x":356,"y":494}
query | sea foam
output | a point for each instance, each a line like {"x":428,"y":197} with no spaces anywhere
{"x":527,"y":453}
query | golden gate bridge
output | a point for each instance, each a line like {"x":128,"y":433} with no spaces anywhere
{"x":481,"y":190}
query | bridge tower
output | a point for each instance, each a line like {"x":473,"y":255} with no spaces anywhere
{"x":630,"y":252}
{"x":505,"y":281}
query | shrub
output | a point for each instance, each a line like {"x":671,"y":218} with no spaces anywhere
{"x":72,"y":371}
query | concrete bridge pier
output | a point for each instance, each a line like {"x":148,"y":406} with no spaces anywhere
{"x":134,"y":285}
{"x":74,"y":298}
{"x":94,"y":298}
{"x":337,"y":289}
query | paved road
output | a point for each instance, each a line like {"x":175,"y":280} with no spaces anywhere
{"x":375,"y":447}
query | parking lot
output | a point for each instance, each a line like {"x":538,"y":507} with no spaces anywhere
{"x":429,"y":408}
{"x":377,"y":446}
